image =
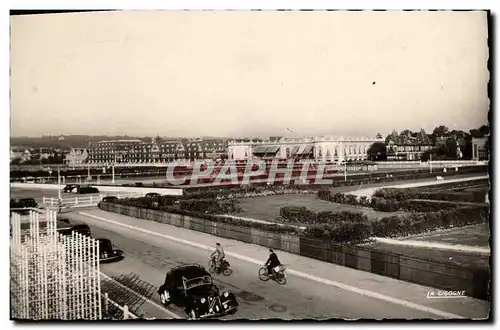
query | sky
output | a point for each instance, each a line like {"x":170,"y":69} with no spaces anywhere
{"x":234,"y":74}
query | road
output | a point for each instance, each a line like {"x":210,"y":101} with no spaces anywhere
{"x":315,"y":290}
{"x":148,"y":257}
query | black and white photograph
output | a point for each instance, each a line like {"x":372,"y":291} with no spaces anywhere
{"x":228,"y":165}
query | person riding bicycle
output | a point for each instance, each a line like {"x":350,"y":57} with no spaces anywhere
{"x":219,"y":256}
{"x":272,"y":262}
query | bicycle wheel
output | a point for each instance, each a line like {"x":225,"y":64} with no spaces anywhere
{"x":211,"y":266}
{"x":227,"y":270}
{"x":263,"y":276}
{"x":280,"y":279}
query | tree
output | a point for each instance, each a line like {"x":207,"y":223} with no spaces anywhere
{"x":448,"y":150}
{"x":440,"y":131}
{"x":377,"y":151}
{"x":484,"y":130}
{"x":425,"y":156}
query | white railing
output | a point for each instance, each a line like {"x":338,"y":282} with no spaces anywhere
{"x":88,"y":200}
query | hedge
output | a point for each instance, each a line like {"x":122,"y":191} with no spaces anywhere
{"x":227,"y":206}
{"x":305,"y":216}
{"x":395,"y":225}
{"x":415,"y":223}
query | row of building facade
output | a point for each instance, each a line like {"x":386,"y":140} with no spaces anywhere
{"x":406,"y":146}
{"x":165,"y":151}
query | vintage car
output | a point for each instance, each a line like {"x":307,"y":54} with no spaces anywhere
{"x":23,"y":205}
{"x":152,"y":195}
{"x":106,"y":251}
{"x":69,"y":188}
{"x":66,"y":228}
{"x":85,"y":189}
{"x":107,"y":199}
{"x":191,"y":287}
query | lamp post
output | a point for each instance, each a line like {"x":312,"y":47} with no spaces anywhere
{"x":345,"y":171}
{"x":113,"y":169}
{"x":58,"y":182}
{"x":430,"y":162}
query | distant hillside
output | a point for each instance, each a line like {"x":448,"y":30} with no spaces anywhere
{"x":75,"y":141}
{"x":69,"y":141}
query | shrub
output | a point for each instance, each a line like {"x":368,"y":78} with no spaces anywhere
{"x":297,"y":214}
{"x":386,"y":205}
{"x":343,"y":232}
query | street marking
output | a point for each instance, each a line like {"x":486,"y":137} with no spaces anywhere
{"x":174,"y":315}
{"x":291,"y":271}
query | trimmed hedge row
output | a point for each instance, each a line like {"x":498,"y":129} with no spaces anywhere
{"x":341,"y":198}
{"x":416,"y":223}
{"x":305,"y":216}
{"x":421,"y":205}
{"x":226,"y":206}
{"x":395,"y":225}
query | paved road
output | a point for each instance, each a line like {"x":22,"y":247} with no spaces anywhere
{"x":149,"y":254}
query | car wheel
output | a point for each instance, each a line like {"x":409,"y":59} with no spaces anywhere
{"x":165,"y":297}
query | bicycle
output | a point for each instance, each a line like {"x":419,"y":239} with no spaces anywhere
{"x":278,"y":276}
{"x":225,"y":267}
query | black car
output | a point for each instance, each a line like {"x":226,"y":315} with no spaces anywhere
{"x":152,"y":195}
{"x":191,"y":287}
{"x":107,"y":199}
{"x":70,"y":188}
{"x":86,"y":190}
{"x":16,"y":205}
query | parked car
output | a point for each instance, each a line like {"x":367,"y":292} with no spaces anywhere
{"x":70,"y":188}
{"x":107,"y":199}
{"x":84,"y":189}
{"x":152,"y":195}
{"x":191,"y":287}
{"x":106,"y":251}
{"x":23,"y":203}
{"x":67,"y":228}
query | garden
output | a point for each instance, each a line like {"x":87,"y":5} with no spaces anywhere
{"x":339,"y":218}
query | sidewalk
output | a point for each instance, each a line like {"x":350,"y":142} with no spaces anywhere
{"x":364,"y":283}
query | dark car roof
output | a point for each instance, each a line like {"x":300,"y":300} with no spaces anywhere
{"x":189,"y":271}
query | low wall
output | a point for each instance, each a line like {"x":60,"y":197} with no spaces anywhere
{"x":429,"y":273}
{"x":162,"y":191}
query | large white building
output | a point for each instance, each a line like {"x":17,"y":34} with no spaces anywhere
{"x":317,"y":148}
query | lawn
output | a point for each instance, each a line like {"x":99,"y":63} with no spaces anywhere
{"x":458,"y":258}
{"x":477,"y":235}
{"x":268,"y":207}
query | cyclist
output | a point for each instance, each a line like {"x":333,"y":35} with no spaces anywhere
{"x":219,"y":256}
{"x":272,"y":262}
